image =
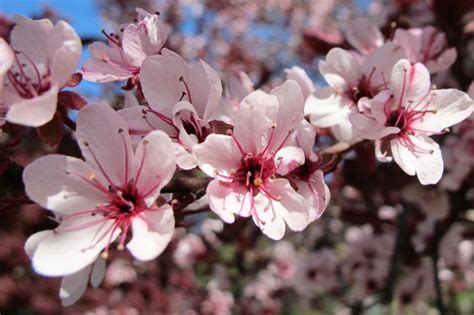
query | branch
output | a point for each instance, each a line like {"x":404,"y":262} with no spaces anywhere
{"x":434,"y":254}
{"x":186,"y":182}
{"x":387,"y":293}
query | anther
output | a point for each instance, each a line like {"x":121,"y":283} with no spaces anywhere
{"x":86,"y":143}
{"x":120,"y":247}
{"x":157,"y":12}
{"x":120,"y":130}
{"x":104,"y":255}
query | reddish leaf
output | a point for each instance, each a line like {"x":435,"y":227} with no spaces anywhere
{"x":70,"y":99}
{"x":74,"y":80}
{"x":52,"y":132}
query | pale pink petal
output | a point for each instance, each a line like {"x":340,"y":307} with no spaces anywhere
{"x":160,"y":79}
{"x":326,"y":107}
{"x":65,"y":253}
{"x":410,"y":83}
{"x":429,"y":166}
{"x":470,"y":90}
{"x":368,"y":128}
{"x":305,"y":139}
{"x":62,"y":184}
{"x":33,"y":241}
{"x":299,"y":75}
{"x":378,"y":66}
{"x":7,"y":57}
{"x":290,"y":207}
{"x":363,"y":35}
{"x":340,"y":69}
{"x":291,"y":109}
{"x":31,"y":38}
{"x":154,"y":165}
{"x":344,"y":130}
{"x":316,"y":193}
{"x":152,"y":231}
{"x":36,"y":111}
{"x":257,"y":113}
{"x":403,"y":157}
{"x":450,"y":107}
{"x":218,"y":153}
{"x":288,"y":158}
{"x":183,"y":110}
{"x":98,"y":272}
{"x":225,"y":199}
{"x":104,"y":141}
{"x":101,"y":72}
{"x":184,"y":159}
{"x":239,"y":85}
{"x":443,"y":62}
{"x":144,"y":38}
{"x":140,"y":122}
{"x":64,"y":51}
{"x":268,"y":219}
{"x":73,"y":286}
{"x":206,"y":87}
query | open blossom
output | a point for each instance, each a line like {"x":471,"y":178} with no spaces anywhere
{"x":181,"y":99}
{"x":45,"y":56}
{"x":404,"y":117}
{"x":97,"y":200}
{"x":349,"y":81}
{"x":245,"y":163}
{"x":122,"y":58}
{"x":427,"y":46}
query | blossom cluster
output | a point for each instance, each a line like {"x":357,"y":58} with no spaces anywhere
{"x":259,"y":151}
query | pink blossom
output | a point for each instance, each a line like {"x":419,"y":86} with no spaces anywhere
{"x":427,"y":46}
{"x":188,"y":250}
{"x":181,"y":99}
{"x":113,"y":191}
{"x":122,"y":58}
{"x":285,"y":261}
{"x":245,"y":163}
{"x":45,"y":57}
{"x":316,"y":273}
{"x":349,"y":81}
{"x":218,"y":303}
{"x":405,"y":116}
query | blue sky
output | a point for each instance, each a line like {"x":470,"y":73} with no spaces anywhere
{"x":81,"y":14}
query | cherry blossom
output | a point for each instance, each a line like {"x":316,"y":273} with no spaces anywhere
{"x":123,"y":57}
{"x":244,"y":163}
{"x":181,"y":98}
{"x":45,"y":55}
{"x":348,"y":82}
{"x":97,"y":200}
{"x":404,"y":117}
{"x":427,"y":46}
